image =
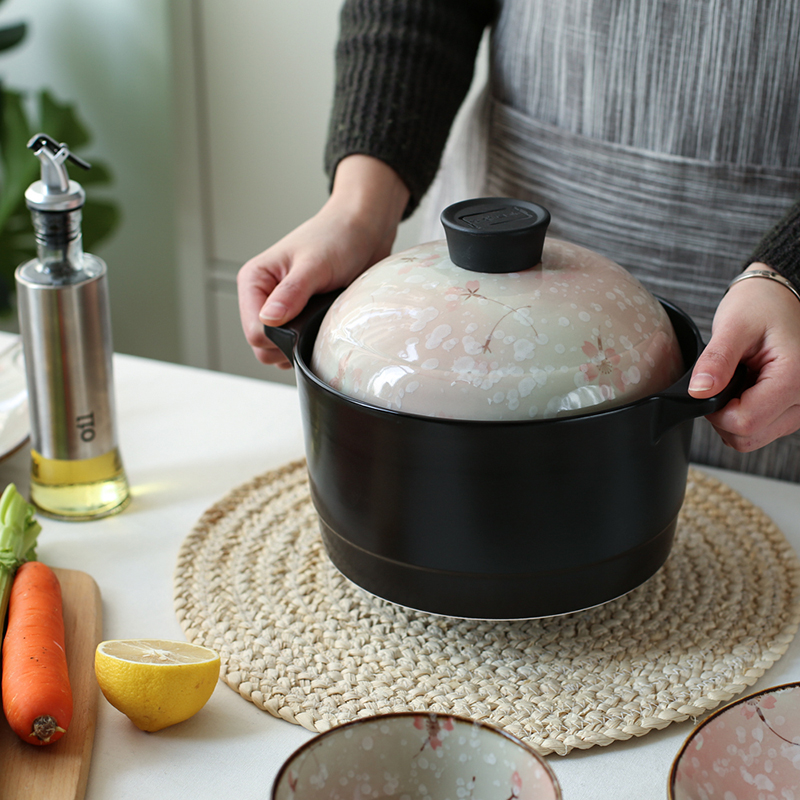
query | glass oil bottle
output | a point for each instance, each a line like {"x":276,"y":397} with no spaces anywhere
{"x":62,"y":299}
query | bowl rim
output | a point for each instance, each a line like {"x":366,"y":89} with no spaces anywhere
{"x":717,"y":712}
{"x":394,"y":715}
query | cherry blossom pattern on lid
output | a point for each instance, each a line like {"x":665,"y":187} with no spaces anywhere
{"x":572,"y":335}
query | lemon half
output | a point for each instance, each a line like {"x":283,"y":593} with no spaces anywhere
{"x":155,"y":682}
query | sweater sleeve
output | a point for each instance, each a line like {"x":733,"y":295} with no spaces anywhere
{"x":403,"y":68}
{"x":780,"y":248}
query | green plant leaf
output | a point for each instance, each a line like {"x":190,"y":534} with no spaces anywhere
{"x":12,"y":35}
{"x":61,"y":122}
{"x":19,"y":167}
{"x":100,"y":218}
{"x":17,"y":245}
{"x":99,"y":173}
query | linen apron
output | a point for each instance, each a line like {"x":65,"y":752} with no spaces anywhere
{"x":664,"y":134}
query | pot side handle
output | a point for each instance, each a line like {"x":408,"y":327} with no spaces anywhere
{"x":676,"y":405}
{"x":286,"y":336}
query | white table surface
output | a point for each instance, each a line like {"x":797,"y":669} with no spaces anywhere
{"x":187,"y":437}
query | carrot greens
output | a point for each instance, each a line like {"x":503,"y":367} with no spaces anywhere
{"x":18,"y":532}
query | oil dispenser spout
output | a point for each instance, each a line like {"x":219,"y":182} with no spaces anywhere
{"x":55,"y":191}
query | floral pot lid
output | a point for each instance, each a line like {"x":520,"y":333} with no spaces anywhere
{"x":498,"y":322}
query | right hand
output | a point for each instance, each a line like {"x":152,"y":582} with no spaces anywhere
{"x":353,"y":230}
{"x":757,"y":323}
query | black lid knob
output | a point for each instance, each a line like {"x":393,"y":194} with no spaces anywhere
{"x":495,"y":234}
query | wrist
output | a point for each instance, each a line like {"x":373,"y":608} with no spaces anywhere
{"x":760,"y":271}
{"x":370,"y":190}
{"x":760,"y":266}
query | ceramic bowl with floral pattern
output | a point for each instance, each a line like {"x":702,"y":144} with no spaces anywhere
{"x":574,"y":333}
{"x":406,"y":755}
{"x":747,"y":750}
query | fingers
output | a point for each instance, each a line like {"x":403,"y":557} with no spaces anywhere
{"x":767,"y":409}
{"x":355,"y":228}
{"x":738,"y":330}
{"x":759,"y":327}
{"x":745,"y":439}
{"x":290,"y":296}
{"x":275,"y":286}
{"x":255,"y":282}
{"x":715,"y":367}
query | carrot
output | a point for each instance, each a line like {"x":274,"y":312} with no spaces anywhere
{"x":37,"y":698}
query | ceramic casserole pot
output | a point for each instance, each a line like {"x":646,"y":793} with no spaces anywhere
{"x":497,"y":426}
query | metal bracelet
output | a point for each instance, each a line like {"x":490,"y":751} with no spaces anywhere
{"x":763,"y":273}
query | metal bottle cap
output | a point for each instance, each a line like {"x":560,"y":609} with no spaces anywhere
{"x":55,"y":191}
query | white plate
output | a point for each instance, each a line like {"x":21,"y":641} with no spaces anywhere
{"x":14,"y":420}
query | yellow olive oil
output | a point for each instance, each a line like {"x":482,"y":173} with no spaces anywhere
{"x":79,"y":489}
{"x":65,"y":326}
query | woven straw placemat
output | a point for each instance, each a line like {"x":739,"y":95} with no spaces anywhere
{"x":300,"y":641}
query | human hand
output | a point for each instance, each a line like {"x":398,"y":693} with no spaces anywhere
{"x":353,"y":230}
{"x":756,"y":323}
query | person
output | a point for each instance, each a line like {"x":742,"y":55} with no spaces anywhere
{"x":657,"y":133}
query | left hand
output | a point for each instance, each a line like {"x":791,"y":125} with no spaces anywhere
{"x":756,"y":323}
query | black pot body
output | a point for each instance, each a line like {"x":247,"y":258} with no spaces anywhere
{"x":497,"y":520}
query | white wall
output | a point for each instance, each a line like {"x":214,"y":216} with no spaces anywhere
{"x":112,"y":59}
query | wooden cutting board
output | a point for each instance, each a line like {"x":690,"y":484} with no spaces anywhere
{"x":59,"y":771}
